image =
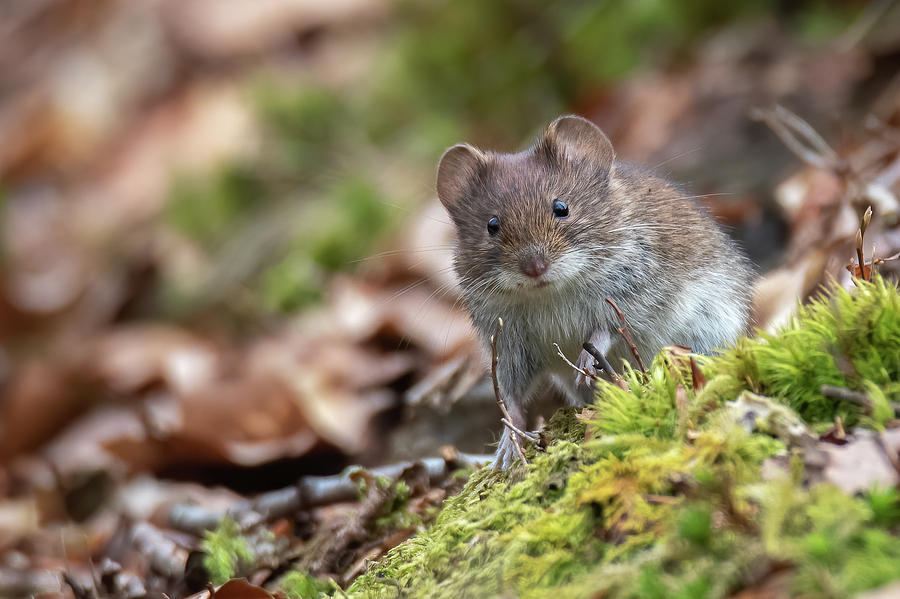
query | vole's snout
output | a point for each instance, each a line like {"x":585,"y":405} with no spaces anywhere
{"x":533,"y":264}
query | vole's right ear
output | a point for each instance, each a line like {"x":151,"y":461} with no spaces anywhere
{"x":458,"y":166}
{"x":576,"y":138}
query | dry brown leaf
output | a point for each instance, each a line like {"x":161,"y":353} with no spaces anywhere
{"x":224,"y":28}
{"x":130,"y":359}
{"x":39,"y":387}
{"x":777,"y":295}
{"x":244,"y":422}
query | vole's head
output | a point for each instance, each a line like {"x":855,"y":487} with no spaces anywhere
{"x":530,"y":222}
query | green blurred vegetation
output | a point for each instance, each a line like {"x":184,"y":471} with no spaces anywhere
{"x":489,"y":72}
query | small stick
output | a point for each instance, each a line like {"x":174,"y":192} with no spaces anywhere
{"x":849,"y":395}
{"x":502,"y":406}
{"x":875,"y":262}
{"x":601,"y":362}
{"x":309,"y":492}
{"x":582,"y":371}
{"x":860,"y":235}
{"x":530,"y":437}
{"x":800,"y":138}
{"x":839,"y":425}
{"x":623,"y":330}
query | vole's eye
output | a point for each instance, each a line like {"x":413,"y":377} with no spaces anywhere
{"x":493,"y":226}
{"x":560,"y":209}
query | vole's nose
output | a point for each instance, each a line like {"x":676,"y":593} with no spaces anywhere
{"x":533,"y":264}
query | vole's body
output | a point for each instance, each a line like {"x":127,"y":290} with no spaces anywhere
{"x":626,"y":234}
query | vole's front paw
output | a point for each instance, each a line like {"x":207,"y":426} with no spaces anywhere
{"x":506,"y":451}
{"x":601,"y":341}
{"x":586,"y":363}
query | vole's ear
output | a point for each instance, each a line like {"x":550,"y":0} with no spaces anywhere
{"x":458,"y":166}
{"x":575,"y":138}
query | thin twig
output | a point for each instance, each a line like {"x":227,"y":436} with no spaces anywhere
{"x":602,"y":363}
{"x":868,"y":19}
{"x":849,"y":395}
{"x":503,"y":410}
{"x":312,"y":491}
{"x":623,"y":330}
{"x":839,"y":427}
{"x":853,"y":267}
{"x":800,"y":138}
{"x":582,"y":371}
{"x":530,"y":437}
{"x":860,"y":236}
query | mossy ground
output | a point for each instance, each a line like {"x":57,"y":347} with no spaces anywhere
{"x":665,"y":497}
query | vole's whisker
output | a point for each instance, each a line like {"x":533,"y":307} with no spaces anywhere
{"x":400,"y":252}
{"x":677,"y":156}
{"x":700,"y":195}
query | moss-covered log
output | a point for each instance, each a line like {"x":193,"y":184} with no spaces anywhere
{"x":661,"y":494}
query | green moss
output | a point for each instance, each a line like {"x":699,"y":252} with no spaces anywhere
{"x":225,"y":549}
{"x":648,"y":508}
{"x":885,"y":506}
{"x":298,"y":585}
{"x":843,"y":339}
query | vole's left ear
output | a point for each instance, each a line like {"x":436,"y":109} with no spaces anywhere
{"x":578,"y":139}
{"x":458,"y":167}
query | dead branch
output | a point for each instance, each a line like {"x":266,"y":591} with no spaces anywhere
{"x":312,"y":491}
{"x":623,"y":330}
{"x":17,"y":582}
{"x":161,"y":553}
{"x":800,"y":138}
{"x":601,"y":362}
{"x":857,"y":271}
{"x":849,"y":395}
{"x":358,"y":528}
{"x":499,"y":398}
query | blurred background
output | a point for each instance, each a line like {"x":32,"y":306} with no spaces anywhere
{"x":222,"y":263}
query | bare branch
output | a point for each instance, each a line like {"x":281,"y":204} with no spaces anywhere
{"x":311,"y":491}
{"x":800,"y":138}
{"x":163,"y":555}
{"x":849,"y":395}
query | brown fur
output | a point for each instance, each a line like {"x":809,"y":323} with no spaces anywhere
{"x":630,"y":235}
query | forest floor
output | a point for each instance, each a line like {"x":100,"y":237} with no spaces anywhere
{"x":233,"y":362}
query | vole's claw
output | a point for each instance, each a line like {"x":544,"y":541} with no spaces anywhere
{"x":506,"y":452}
{"x":586,"y":363}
